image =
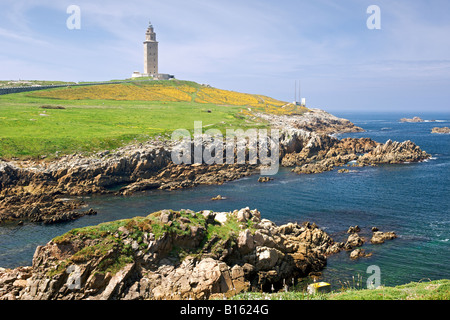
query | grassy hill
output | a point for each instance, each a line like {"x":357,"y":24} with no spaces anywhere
{"x":52,"y":122}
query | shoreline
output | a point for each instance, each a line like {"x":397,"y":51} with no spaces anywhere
{"x":36,"y":191}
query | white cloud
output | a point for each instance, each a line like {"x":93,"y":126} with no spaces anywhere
{"x":253,"y":46}
{"x":9,"y":35}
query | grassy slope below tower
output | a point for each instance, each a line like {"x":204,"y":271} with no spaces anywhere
{"x":49,"y":123}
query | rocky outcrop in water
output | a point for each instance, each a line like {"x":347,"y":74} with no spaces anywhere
{"x":334,"y":153}
{"x":394,"y":152}
{"x":379,"y":237}
{"x":415,"y":119}
{"x":171,"y":255}
{"x":359,"y":253}
{"x":355,"y":241}
{"x":326,"y":152}
{"x":440,"y":130}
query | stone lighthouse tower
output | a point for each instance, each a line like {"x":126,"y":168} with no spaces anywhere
{"x":150,"y":52}
{"x":151,"y":58}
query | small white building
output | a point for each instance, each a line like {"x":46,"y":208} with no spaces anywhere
{"x":302,"y":103}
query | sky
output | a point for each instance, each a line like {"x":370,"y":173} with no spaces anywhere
{"x":252,"y":46}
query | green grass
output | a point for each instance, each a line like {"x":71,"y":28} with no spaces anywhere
{"x":229,"y":229}
{"x":424,"y":290}
{"x":28,"y":131}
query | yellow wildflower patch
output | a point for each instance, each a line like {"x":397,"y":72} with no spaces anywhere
{"x":173,"y":92}
{"x":158,"y":92}
{"x":118,"y":92}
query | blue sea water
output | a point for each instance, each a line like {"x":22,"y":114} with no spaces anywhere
{"x":411,"y":199}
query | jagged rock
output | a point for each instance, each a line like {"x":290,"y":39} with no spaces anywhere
{"x":264,"y":179}
{"x":440,"y":130}
{"x":354,"y":240}
{"x":415,"y":119}
{"x":335,"y":248}
{"x":329,"y":154}
{"x":165,"y":216}
{"x":379,"y":237}
{"x":312,"y":168}
{"x":245,"y":242}
{"x":394,"y":152}
{"x":267,"y":258}
{"x":359,"y":253}
{"x":354,"y":229}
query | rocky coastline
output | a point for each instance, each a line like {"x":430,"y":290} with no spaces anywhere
{"x":51,"y":192}
{"x":171,"y":255}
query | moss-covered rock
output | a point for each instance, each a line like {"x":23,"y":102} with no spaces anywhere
{"x":173,"y":255}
